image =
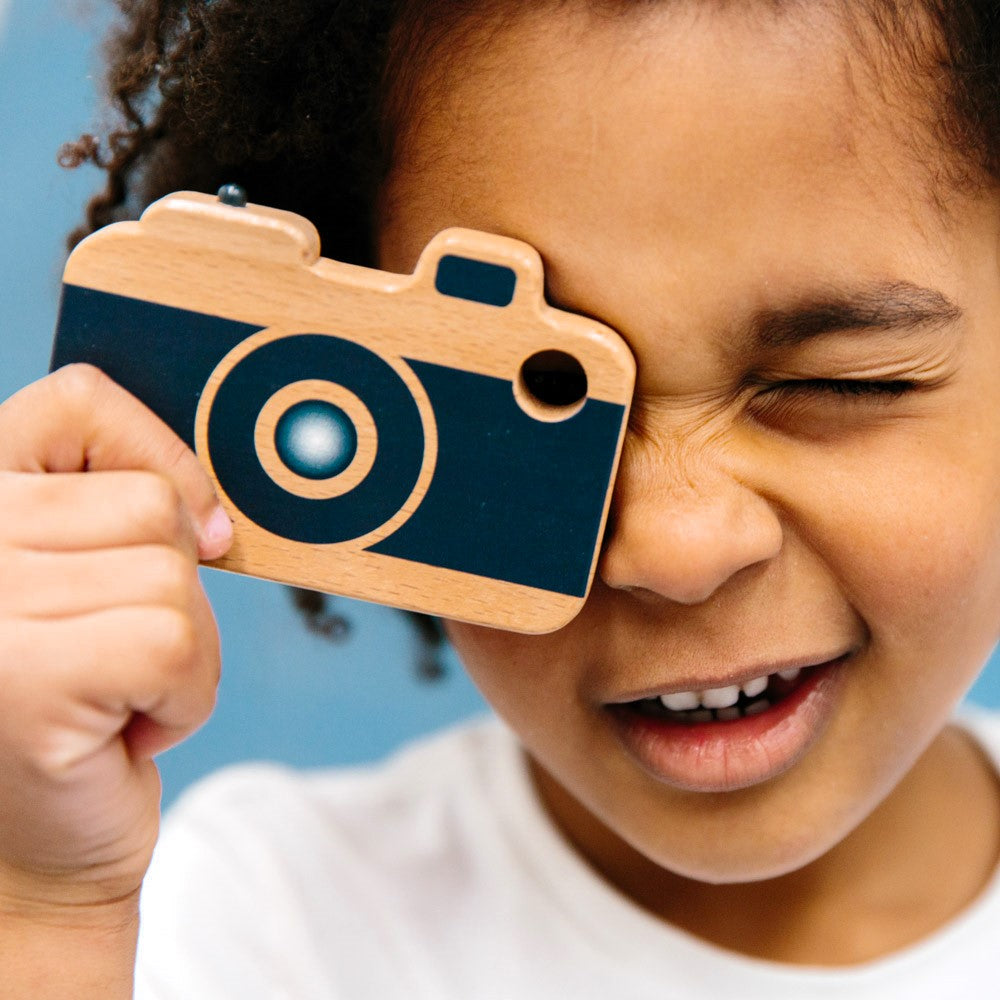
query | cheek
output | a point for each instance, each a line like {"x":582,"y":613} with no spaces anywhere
{"x":531,"y":681}
{"x":913,"y":536}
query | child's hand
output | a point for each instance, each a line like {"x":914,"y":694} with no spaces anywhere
{"x":109,"y":651}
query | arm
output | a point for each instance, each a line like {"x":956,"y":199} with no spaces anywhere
{"x":108,"y":655}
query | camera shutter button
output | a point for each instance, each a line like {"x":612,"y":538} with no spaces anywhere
{"x":233,"y":194}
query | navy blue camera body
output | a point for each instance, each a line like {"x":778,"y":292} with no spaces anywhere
{"x":443,"y":441}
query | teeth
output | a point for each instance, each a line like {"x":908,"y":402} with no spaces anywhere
{"x":755,"y":687}
{"x":682,"y":701}
{"x":724,"y":699}
{"x":721,"y":714}
{"x":720,"y":697}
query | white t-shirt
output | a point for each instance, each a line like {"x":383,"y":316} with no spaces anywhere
{"x":438,"y":876}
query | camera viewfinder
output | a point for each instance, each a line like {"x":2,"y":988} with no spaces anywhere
{"x":475,"y":280}
{"x":551,"y":385}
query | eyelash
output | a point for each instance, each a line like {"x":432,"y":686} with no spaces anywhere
{"x":855,"y":388}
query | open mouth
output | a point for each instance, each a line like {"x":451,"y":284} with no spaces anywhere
{"x":723,"y":704}
{"x":732,"y":736}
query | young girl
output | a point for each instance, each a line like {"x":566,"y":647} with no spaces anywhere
{"x":736,"y":772}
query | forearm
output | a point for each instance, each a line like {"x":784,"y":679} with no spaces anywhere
{"x":74,"y":953}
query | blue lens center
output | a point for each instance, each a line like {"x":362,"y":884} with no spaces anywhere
{"x":316,"y":439}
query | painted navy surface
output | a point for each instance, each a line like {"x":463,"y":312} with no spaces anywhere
{"x":511,"y":498}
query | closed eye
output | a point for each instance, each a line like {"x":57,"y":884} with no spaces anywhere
{"x":846,"y":387}
{"x":828,"y":405}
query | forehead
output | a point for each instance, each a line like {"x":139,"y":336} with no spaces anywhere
{"x":696,"y":115}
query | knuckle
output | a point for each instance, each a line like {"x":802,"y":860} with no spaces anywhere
{"x":209,"y":639}
{"x":157,"y":505}
{"x":174,"y":575}
{"x":79,"y":383}
{"x":56,"y":749}
{"x":173,"y":640}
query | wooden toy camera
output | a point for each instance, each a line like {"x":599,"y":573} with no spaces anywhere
{"x":443,"y":442}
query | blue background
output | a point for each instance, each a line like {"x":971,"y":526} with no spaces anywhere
{"x":285,"y":695}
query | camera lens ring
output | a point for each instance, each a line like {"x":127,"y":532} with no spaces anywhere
{"x":285,"y":399}
{"x":253,"y":380}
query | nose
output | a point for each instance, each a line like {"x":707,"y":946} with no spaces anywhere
{"x":680,"y":533}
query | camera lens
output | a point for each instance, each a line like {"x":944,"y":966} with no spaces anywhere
{"x":316,"y":439}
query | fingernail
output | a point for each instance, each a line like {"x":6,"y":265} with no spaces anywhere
{"x":216,"y":535}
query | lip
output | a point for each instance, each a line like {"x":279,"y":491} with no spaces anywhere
{"x":727,"y":756}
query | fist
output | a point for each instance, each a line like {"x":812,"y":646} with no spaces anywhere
{"x":109,"y":651}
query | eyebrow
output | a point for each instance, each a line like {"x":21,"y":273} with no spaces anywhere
{"x":897,"y":305}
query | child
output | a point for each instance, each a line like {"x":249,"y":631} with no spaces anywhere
{"x":735,"y":773}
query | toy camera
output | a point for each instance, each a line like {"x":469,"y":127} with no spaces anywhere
{"x":443,"y":441}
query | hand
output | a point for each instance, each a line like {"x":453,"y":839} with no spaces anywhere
{"x":109,"y":651}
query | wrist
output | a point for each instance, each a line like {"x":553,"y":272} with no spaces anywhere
{"x":44,"y":909}
{"x":66,"y":951}
{"x":50,"y":889}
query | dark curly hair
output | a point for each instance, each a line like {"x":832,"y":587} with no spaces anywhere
{"x":301,"y":103}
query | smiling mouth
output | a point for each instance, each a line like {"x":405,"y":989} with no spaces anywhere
{"x":724,"y":704}
{"x":730,"y":737}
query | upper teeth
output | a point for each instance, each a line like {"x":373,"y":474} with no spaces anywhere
{"x":723,"y":697}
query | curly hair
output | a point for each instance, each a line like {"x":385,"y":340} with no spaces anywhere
{"x":298,"y":101}
{"x":277,"y":97}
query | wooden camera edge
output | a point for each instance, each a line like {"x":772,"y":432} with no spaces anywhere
{"x":372,"y":435}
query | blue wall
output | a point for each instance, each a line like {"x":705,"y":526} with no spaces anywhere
{"x":285,"y":695}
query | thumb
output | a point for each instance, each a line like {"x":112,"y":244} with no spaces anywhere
{"x":79,"y":420}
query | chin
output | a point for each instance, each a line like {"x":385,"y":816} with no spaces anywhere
{"x":717,"y":870}
{"x":752,"y":854}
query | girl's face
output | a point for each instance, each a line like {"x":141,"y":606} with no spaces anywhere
{"x":812,"y":473}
